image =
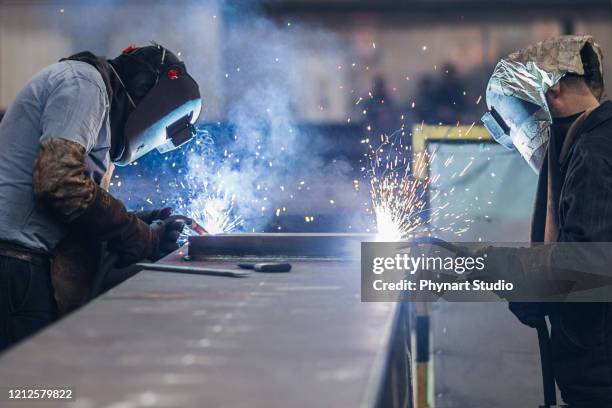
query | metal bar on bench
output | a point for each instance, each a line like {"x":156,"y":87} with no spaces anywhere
{"x":278,"y":245}
{"x":194,"y":270}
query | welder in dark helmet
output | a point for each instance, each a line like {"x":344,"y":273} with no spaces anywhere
{"x":60,"y":138}
{"x":546,"y":102}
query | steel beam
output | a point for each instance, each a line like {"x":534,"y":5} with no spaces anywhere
{"x":277,"y":245}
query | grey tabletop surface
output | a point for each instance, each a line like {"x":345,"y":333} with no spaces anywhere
{"x":298,"y":339}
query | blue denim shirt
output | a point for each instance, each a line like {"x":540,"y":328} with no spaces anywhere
{"x":66,"y":100}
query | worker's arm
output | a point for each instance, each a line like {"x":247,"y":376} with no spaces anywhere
{"x":585,"y":216}
{"x":585,"y":208}
{"x":581,"y":259}
{"x":60,"y":183}
{"x":72,"y":117}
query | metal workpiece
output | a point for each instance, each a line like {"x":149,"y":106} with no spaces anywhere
{"x":278,"y":245}
{"x":298,"y":339}
{"x":195,"y":270}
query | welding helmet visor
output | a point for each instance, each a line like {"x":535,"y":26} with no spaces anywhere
{"x":520,"y":125}
{"x":164,"y":119}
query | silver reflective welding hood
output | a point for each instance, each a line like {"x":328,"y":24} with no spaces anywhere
{"x":164,"y":119}
{"x":518,"y":116}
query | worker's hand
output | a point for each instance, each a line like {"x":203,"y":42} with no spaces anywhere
{"x":152,"y":215}
{"x":167,"y":232}
{"x":456,"y":250}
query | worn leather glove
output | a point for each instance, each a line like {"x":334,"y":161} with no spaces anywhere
{"x":60,"y":183}
{"x":152,"y":215}
{"x":167,"y":232}
{"x":126,"y":235}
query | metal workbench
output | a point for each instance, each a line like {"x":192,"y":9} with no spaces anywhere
{"x":298,"y":339}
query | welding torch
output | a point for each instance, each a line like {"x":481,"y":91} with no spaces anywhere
{"x":195,"y":227}
{"x":439,"y":243}
{"x":190,"y":222}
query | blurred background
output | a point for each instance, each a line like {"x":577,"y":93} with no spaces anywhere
{"x":434,"y":53}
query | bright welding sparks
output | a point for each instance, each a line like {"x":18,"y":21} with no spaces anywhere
{"x":397,"y":188}
{"x":388,"y":229}
{"x":211,"y":207}
{"x":214,"y":214}
{"x":405,"y":199}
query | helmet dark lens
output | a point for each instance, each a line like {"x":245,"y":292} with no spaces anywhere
{"x":498,"y":128}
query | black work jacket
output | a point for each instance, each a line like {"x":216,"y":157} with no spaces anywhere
{"x":581,"y":333}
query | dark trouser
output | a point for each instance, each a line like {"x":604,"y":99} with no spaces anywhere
{"x":27,"y":303}
{"x":581,"y":343}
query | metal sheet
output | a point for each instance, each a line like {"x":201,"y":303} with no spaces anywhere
{"x":298,"y":339}
{"x":484,"y":341}
{"x":278,"y":245}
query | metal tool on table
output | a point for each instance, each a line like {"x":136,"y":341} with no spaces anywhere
{"x":195,"y":270}
{"x":274,"y":267}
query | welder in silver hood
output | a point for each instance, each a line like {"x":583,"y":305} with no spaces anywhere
{"x":546,"y":101}
{"x":61,"y":136}
{"x":517,"y":95}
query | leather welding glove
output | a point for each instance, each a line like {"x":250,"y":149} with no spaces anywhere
{"x":169,"y":231}
{"x":152,"y":215}
{"x":60,"y":183}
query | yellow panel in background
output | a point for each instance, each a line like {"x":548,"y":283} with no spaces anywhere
{"x":421,"y":134}
{"x":420,"y":169}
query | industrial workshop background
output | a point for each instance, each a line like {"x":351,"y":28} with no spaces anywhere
{"x":329,"y":75}
{"x":314,"y":70}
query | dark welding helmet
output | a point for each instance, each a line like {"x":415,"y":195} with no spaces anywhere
{"x":164,"y":117}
